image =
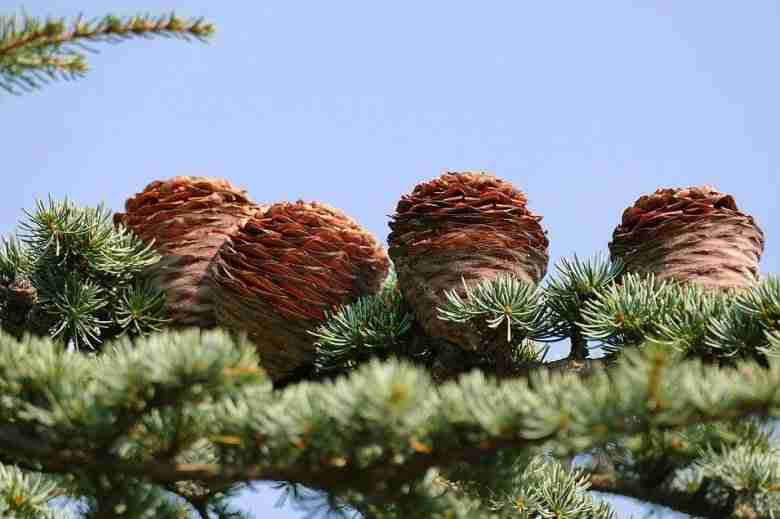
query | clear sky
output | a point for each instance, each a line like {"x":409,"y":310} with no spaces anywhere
{"x":583,"y":105}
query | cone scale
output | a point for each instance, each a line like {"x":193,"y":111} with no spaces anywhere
{"x":278,"y":276}
{"x":462,"y":226}
{"x":691,"y":235}
{"x":189,"y":218}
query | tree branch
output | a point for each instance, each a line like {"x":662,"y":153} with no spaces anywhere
{"x":579,"y":345}
{"x":52,"y":33}
{"x":378,"y":480}
{"x":571,"y":364}
{"x":684,"y":502}
{"x":34,"y":52}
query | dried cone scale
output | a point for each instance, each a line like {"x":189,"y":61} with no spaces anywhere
{"x":189,"y":218}
{"x":281,"y":272}
{"x":462,"y":226}
{"x":695,"y":235}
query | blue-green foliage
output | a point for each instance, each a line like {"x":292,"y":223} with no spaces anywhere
{"x":85,"y":280}
{"x":590,"y":300}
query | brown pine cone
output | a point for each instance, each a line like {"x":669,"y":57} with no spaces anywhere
{"x":189,"y":218}
{"x":693,"y":234}
{"x":462,"y":226}
{"x":281,"y":272}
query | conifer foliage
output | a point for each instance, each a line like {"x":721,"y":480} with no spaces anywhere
{"x":167,"y":421}
{"x":71,"y":274}
{"x":34,"y":51}
{"x":145,"y":359}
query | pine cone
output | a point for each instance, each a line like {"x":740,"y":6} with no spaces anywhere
{"x":695,"y":234}
{"x":462,"y":226}
{"x":189,"y":218}
{"x":281,"y":272}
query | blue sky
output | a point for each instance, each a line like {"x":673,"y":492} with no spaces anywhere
{"x":583,"y":105}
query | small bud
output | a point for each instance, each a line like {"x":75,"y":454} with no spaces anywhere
{"x":175,"y":24}
{"x":139,"y":25}
{"x":113,"y":24}
{"x":53,"y":28}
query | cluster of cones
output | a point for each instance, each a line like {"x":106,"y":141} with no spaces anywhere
{"x":274,"y":271}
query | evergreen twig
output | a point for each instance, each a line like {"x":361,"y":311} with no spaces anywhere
{"x":34,"y":52}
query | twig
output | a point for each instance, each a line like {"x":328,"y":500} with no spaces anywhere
{"x":688,"y":503}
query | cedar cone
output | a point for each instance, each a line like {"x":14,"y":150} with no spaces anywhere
{"x":189,"y":218}
{"x":695,"y":234}
{"x":280,"y":273}
{"x":462,"y":226}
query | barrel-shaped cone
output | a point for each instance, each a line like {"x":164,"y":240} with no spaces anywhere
{"x":691,"y":235}
{"x":462,"y":226}
{"x":278,"y":276}
{"x":189,"y":218}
